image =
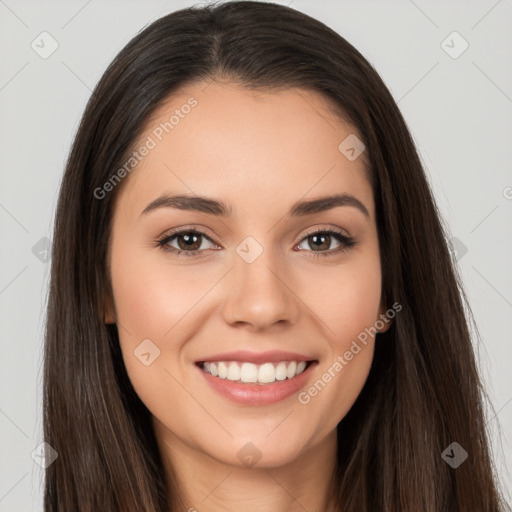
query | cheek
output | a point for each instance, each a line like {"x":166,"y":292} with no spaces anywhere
{"x":347,"y":298}
{"x":148,"y":306}
{"x":154,"y":301}
{"x":150,"y":296}
{"x":349,"y":306}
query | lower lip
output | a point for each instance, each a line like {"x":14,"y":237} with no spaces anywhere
{"x":258,"y":394}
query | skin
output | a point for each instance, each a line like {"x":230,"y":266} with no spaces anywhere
{"x":259,"y":153}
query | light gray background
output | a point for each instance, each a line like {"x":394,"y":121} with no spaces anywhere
{"x":458,"y":110}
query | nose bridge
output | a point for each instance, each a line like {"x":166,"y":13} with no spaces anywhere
{"x":258,"y":291}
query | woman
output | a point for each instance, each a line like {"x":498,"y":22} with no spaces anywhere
{"x":253,"y":304}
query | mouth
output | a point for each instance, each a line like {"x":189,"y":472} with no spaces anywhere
{"x":251,"y":384}
{"x":244,"y":372}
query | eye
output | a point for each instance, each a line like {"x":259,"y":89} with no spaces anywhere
{"x":189,"y":241}
{"x":320,"y":240}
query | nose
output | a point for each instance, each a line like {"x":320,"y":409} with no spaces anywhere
{"x":260,"y":294}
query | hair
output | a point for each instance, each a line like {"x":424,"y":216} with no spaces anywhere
{"x":423,"y":391}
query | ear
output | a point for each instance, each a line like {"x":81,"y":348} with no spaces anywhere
{"x":109,"y":309}
{"x":383,"y":318}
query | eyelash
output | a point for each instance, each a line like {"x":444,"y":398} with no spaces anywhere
{"x":346,"y":242}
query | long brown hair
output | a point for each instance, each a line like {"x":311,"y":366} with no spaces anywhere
{"x":423,"y":391}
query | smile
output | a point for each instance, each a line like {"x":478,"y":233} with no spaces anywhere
{"x":253,"y":384}
{"x":245,"y":372}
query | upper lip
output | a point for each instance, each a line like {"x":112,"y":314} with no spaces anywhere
{"x":257,"y":357}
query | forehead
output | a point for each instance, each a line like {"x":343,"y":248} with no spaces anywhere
{"x":246,"y":147}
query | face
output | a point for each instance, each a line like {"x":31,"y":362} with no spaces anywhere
{"x":261,"y":277}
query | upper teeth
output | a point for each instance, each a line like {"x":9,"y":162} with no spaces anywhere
{"x":249,"y":372}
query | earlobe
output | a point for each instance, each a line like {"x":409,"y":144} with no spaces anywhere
{"x":109,"y":316}
{"x":385,"y":328}
{"x":383,"y":322}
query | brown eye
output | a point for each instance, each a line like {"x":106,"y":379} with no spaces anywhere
{"x":189,"y":241}
{"x":320,"y":242}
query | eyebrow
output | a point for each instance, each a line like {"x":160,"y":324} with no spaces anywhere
{"x":220,"y":209}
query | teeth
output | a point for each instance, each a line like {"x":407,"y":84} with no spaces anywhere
{"x":266,"y":373}
{"x":249,"y":372}
{"x":291,"y":370}
{"x":233,"y":372}
{"x":223,"y":370}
